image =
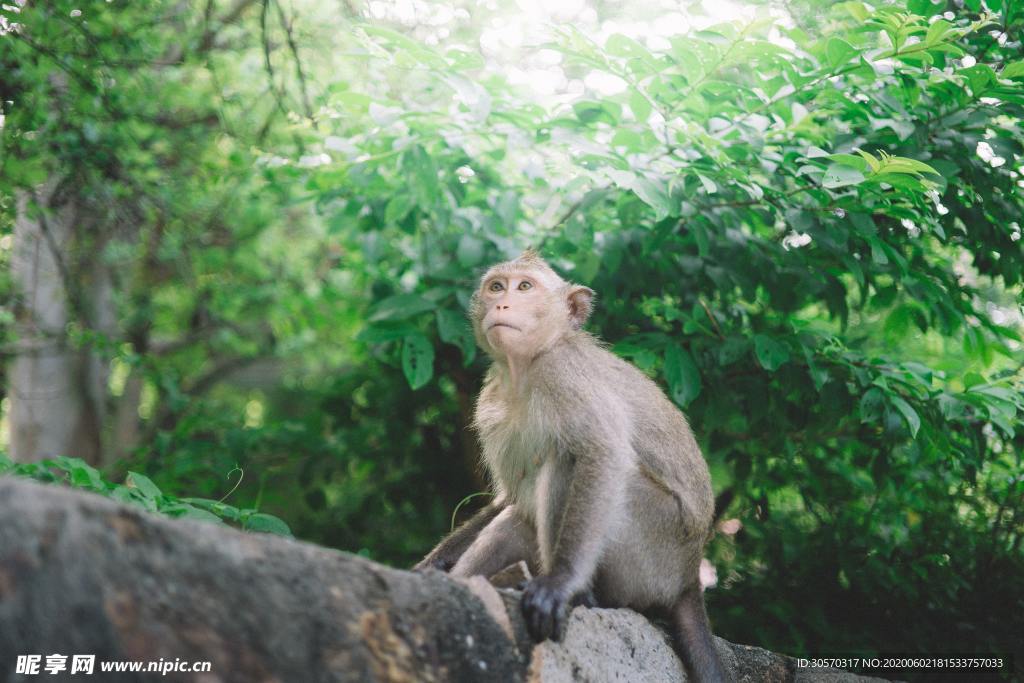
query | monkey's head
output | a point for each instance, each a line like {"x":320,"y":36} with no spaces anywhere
{"x":522,"y":307}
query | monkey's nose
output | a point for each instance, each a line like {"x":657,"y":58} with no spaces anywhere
{"x":502,"y":308}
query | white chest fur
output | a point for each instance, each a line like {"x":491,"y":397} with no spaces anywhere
{"x":517,"y":438}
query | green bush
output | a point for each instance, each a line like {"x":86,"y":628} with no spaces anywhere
{"x":807,"y":231}
{"x":139,"y":490}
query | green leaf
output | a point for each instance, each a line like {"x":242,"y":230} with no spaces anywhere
{"x":597,"y":112}
{"x":470,"y":251}
{"x":980,"y":77}
{"x":144,"y":485}
{"x":185,"y":511}
{"x":861,"y":161}
{"x":453,"y":328}
{"x":86,"y":476}
{"x":131,"y":496}
{"x":1013,"y":70}
{"x":464,"y":60}
{"x":385,"y":332}
{"x":268,"y":524}
{"x":926,"y":8}
{"x":398,"y":207}
{"x":654,"y":194}
{"x":856,"y":9}
{"x":399,"y":307}
{"x":950,"y":406}
{"x":732,"y":349}
{"x":937,"y":31}
{"x":620,"y":45}
{"x":682,"y":375}
{"x":837,"y":175}
{"x":636,"y":343}
{"x":909,"y":414}
{"x":839,"y":52}
{"x":878,"y":253}
{"x":422,"y":174}
{"x":819,"y":375}
{"x":639,"y":105}
{"x":871,"y":404}
{"x":708,"y":183}
{"x":645,"y":360}
{"x":891,"y":164}
{"x":415,"y":49}
{"x":873,"y":163}
{"x":417,"y":360}
{"x":26,"y":172}
{"x":771,"y":354}
{"x":1001,"y":393}
{"x":703,"y":239}
{"x":216,"y":507}
{"x":972,"y":379}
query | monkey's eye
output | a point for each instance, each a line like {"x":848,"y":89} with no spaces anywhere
{"x":496,"y":286}
{"x":524,"y":285}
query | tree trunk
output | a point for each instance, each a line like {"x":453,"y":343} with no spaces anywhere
{"x":80,"y":574}
{"x":57,"y":391}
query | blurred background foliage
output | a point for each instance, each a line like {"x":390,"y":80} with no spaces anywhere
{"x":243,"y":233}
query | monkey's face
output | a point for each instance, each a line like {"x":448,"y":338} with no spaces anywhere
{"x":518,"y":314}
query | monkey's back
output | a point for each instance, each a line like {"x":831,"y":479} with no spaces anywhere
{"x":656,"y":549}
{"x":578,"y":395}
{"x":667,"y":452}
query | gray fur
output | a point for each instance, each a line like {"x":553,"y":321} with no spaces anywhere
{"x":598,"y":476}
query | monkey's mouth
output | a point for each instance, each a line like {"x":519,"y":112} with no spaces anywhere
{"x":511,"y":327}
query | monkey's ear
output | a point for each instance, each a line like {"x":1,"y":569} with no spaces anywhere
{"x":581,"y":303}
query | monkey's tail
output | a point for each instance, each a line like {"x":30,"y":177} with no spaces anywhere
{"x":693,"y":641}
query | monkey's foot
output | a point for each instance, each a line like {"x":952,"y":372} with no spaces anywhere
{"x":584,"y":599}
{"x":545,"y":608}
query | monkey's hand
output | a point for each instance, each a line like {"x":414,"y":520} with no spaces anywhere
{"x":545,"y":607}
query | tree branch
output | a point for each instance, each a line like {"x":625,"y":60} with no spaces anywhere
{"x":268,"y":65}
{"x":286,"y":24}
{"x":229,"y":17}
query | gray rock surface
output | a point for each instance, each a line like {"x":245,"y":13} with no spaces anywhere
{"x":80,"y":574}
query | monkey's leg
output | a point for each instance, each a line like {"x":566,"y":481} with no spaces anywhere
{"x":580,"y":500}
{"x":693,"y":640}
{"x":448,"y":551}
{"x":506,"y":540}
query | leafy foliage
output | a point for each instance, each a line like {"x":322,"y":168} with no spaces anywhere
{"x":757,"y":220}
{"x":807,"y":229}
{"x":139,"y":490}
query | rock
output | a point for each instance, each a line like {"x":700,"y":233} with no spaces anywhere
{"x":513,"y":576}
{"x":80,"y":574}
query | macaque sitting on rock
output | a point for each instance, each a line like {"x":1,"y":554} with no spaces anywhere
{"x":599,"y":484}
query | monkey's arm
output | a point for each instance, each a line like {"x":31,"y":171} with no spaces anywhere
{"x":448,"y":551}
{"x":591,"y":506}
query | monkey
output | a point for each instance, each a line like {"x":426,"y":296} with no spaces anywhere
{"x":599,"y":484}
